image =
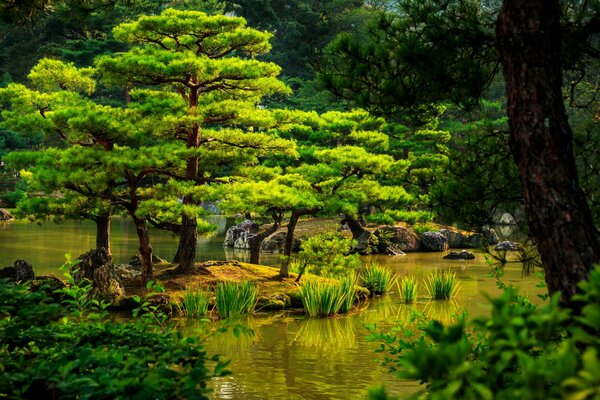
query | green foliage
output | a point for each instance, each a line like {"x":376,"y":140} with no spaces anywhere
{"x":324,"y":299}
{"x":408,"y":288}
{"x":380,"y":219}
{"x":328,"y":254}
{"x":422,"y":228}
{"x":442,"y":285}
{"x":48,"y":351}
{"x":234,"y":299}
{"x":410,"y":217}
{"x":195,"y":303}
{"x":376,"y":278}
{"x":519,"y":351}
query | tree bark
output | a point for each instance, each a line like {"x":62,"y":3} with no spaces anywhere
{"x":256,"y":240}
{"x":103,"y":232}
{"x":284,"y":270}
{"x":189,"y":225}
{"x":528,"y":40}
{"x":145,"y":249}
{"x":355,"y":227}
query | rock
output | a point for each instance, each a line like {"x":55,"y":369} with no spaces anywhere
{"x":128,"y":272}
{"x":508,"y":246}
{"x":136,"y":262}
{"x":20,"y":271}
{"x":275,"y":243}
{"x":507,"y":219}
{"x":243,"y":240}
{"x":462,"y":255}
{"x":473,"y":240}
{"x":234,"y":232}
{"x":49,"y":284}
{"x":394,"y":238}
{"x":364,"y":244}
{"x":5,"y":215}
{"x":490,"y":235}
{"x":434,"y":241}
{"x":455,"y":239}
{"x":97,"y":267}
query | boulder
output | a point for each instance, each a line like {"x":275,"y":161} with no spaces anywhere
{"x":5,"y":215}
{"x":136,"y":262}
{"x":473,"y":240}
{"x":243,"y":240}
{"x":49,"y":284}
{"x":434,"y":241}
{"x":20,"y":271}
{"x":455,"y":239}
{"x":508,"y":246}
{"x":275,"y":243}
{"x":396,"y":238}
{"x":461,"y":255}
{"x":507,"y":219}
{"x":490,"y":235}
{"x":234,"y":232}
{"x":364,"y":244}
{"x":128,"y":272}
{"x":97,"y":267}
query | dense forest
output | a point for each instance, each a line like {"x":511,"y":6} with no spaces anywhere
{"x":374,"y":113}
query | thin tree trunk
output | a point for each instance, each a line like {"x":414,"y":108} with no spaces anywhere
{"x":355,"y":227}
{"x":256,"y":240}
{"x":528,"y":40}
{"x":284,"y":270}
{"x":145,"y":249}
{"x":103,"y":232}
{"x":189,"y":225}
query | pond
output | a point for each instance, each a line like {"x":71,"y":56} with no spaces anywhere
{"x":289,"y":356}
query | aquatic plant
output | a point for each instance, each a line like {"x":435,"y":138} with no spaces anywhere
{"x":376,"y":278}
{"x":232,"y":298}
{"x":324,"y":299}
{"x":442,"y":285}
{"x":408,"y":288}
{"x":195,"y":303}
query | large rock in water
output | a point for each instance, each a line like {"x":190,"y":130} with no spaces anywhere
{"x":455,"y":239}
{"x":5,"y":215}
{"x":399,"y":237}
{"x":97,"y":267}
{"x":20,"y":271}
{"x":434,"y":241}
{"x":276,"y":242}
{"x":508,"y":246}
{"x":462,"y":255}
{"x":233,"y":234}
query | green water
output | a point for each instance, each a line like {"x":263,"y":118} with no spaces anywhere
{"x":289,"y":356}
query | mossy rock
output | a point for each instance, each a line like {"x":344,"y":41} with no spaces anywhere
{"x":361,"y":293}
{"x":275,"y":302}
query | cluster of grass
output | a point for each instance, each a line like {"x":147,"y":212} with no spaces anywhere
{"x":195,"y":303}
{"x":233,"y":299}
{"x":408,"y":288}
{"x":324,"y":299}
{"x":442,"y":285}
{"x":377,"y":279}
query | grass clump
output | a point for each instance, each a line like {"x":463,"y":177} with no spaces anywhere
{"x":324,"y":299}
{"x":377,"y":279}
{"x":233,"y":299}
{"x":442,"y":285}
{"x":408,"y":289}
{"x":195,"y":303}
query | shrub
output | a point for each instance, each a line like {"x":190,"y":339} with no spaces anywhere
{"x":195,"y":303}
{"x":328,"y":254}
{"x":376,"y":278}
{"x":442,"y":285}
{"x":410,"y":217}
{"x":380,"y":219}
{"x":408,"y":288}
{"x":47,"y":351}
{"x":233,"y":299}
{"x":422,"y":228}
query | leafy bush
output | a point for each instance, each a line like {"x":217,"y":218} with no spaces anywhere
{"x":442,"y":285}
{"x":422,"y":228}
{"x":521,"y":351}
{"x":408,"y":289}
{"x":328,"y":254}
{"x":410,"y":217}
{"x":380,"y":219}
{"x":376,"y":278}
{"x":51,"y":350}
{"x":324,"y":299}
{"x":233,"y":299}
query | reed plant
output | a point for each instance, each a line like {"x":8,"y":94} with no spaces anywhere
{"x":195,"y":303}
{"x":442,"y":285}
{"x":233,"y":299}
{"x":324,"y":299}
{"x":377,"y":279}
{"x":408,"y":288}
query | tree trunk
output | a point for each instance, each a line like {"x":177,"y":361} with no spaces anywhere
{"x":256,"y":240}
{"x":284,"y":270}
{"x":103,"y":232}
{"x":189,"y":225}
{"x":355,"y":227}
{"x":528,"y":40}
{"x":145,"y":249}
